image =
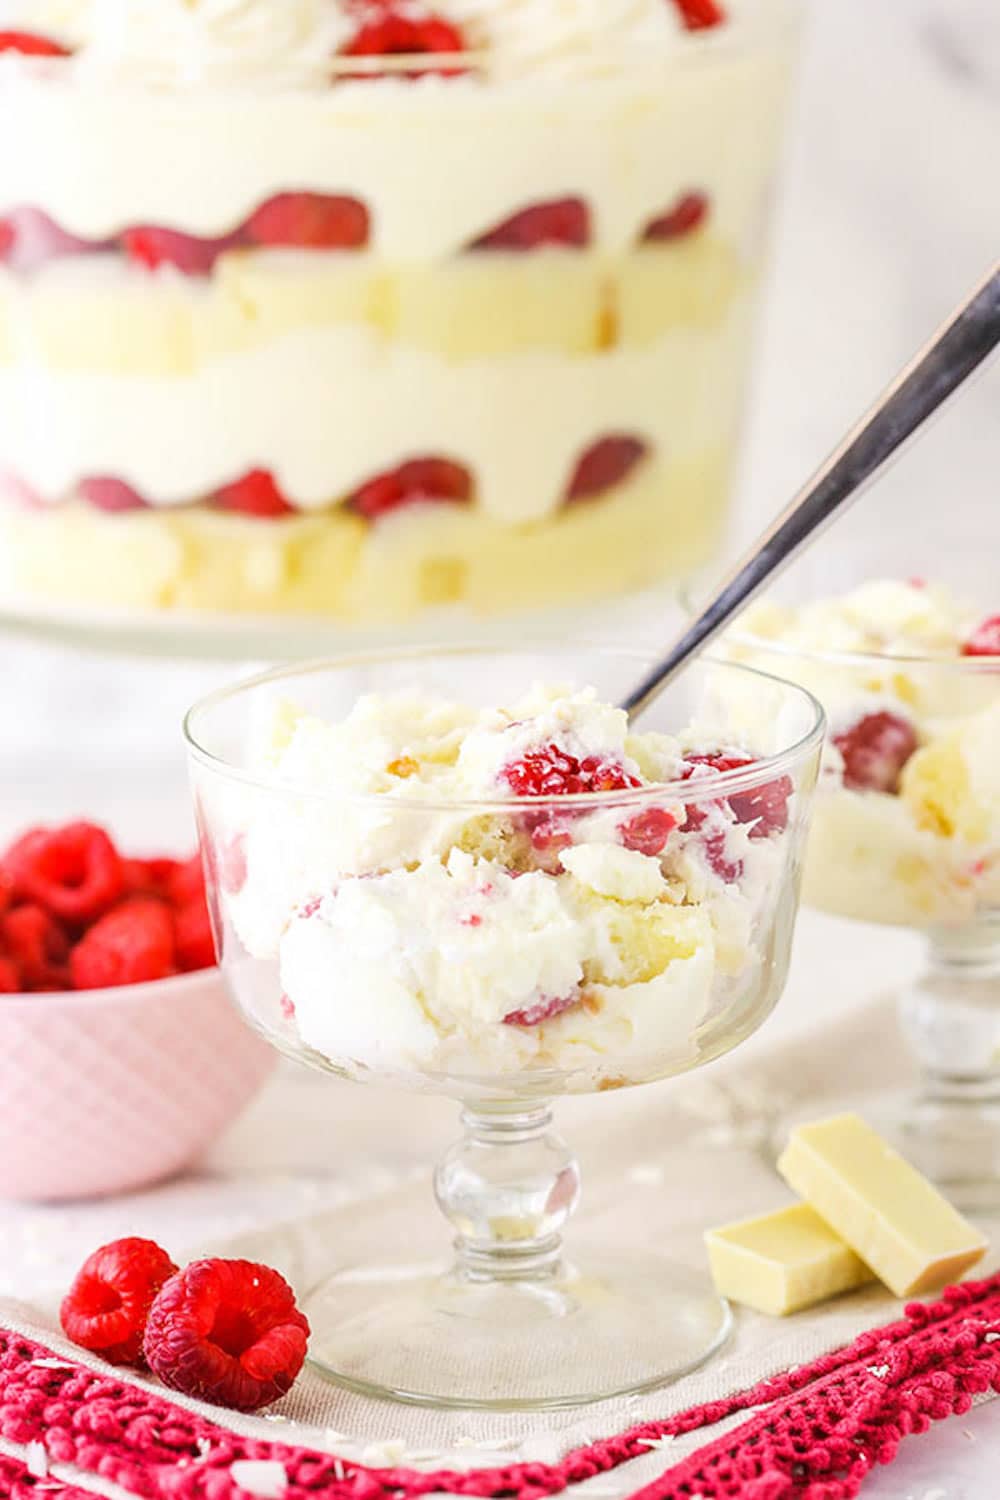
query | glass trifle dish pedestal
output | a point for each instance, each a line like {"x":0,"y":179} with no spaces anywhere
{"x":414,"y":887}
{"x":906,"y":829}
{"x":353,"y":314}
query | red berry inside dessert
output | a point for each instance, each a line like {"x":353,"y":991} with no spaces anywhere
{"x":112,"y":495}
{"x":875,"y":750}
{"x":154,"y":247}
{"x":30,"y":45}
{"x":608,"y":463}
{"x":648,"y":832}
{"x":687,"y":214}
{"x":106,"y":1308}
{"x":314,"y":221}
{"x":552,"y":772}
{"x":985,"y":639}
{"x":564,"y":221}
{"x":545,"y":1010}
{"x":700,"y":15}
{"x":256,"y":494}
{"x":397,"y":32}
{"x":419,"y":481}
{"x":227,"y":1331}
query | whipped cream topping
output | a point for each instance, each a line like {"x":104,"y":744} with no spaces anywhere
{"x":893,"y":617}
{"x":470,"y":937}
{"x":565,"y":31}
{"x":66,"y":21}
{"x":178,"y":42}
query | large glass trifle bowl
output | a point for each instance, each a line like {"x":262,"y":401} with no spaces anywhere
{"x":356,"y":313}
{"x":462,"y":871}
{"x":906,"y":828}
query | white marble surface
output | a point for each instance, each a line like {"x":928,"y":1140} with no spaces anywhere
{"x":890,"y":211}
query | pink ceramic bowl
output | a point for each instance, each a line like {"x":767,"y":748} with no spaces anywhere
{"x":108,"y":1090}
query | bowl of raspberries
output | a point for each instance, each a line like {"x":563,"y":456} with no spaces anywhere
{"x":121,"y":1057}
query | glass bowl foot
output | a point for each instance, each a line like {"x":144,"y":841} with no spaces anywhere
{"x":618,"y":1324}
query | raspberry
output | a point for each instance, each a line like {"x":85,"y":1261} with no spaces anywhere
{"x":30,"y":45}
{"x":195,"y":946}
{"x":232,"y":865}
{"x":563,"y":221}
{"x":393,"y":35}
{"x":73,"y":872}
{"x":419,"y":481}
{"x":37,"y":238}
{"x":153,"y":247}
{"x":111,"y":495}
{"x":227,"y":1331}
{"x":107,"y":1306}
{"x":150,"y":877}
{"x":316,"y":221}
{"x":875,"y":750}
{"x":687,"y":214}
{"x":544,"y":1010}
{"x":552,"y":772}
{"x":132,"y":944}
{"x":766,"y":807}
{"x":648,"y":831}
{"x":700,"y":15}
{"x":33,"y":940}
{"x":985,"y":639}
{"x":7,"y":237}
{"x":727,"y":869}
{"x":185,"y":882}
{"x":10,"y":978}
{"x":256,"y":494}
{"x":604,"y":465}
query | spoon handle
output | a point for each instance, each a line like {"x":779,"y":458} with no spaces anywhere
{"x":954,"y":352}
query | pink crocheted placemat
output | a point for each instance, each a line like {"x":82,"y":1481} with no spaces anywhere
{"x":813,"y":1433}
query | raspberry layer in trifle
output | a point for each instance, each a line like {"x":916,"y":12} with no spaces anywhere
{"x":359,"y":307}
{"x":907,"y":829}
{"x":430,"y":917}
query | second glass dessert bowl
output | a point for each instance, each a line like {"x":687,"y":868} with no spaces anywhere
{"x":906,"y":832}
{"x":422,"y":890}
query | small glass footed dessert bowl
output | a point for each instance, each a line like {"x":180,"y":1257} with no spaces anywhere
{"x":906,"y":829}
{"x":415,"y":887}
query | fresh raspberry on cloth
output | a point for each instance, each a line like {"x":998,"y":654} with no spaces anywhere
{"x":227,"y":1331}
{"x":74,"y":872}
{"x":132,"y":944}
{"x":106,"y":1308}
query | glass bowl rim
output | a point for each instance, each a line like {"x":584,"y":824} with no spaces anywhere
{"x":725,"y":783}
{"x":982,"y":666}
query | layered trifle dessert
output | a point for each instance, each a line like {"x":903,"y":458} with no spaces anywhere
{"x":907,"y":827}
{"x":363,"y":307}
{"x":457,"y":892}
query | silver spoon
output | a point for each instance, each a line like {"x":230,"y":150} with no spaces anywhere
{"x":955,"y":351}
